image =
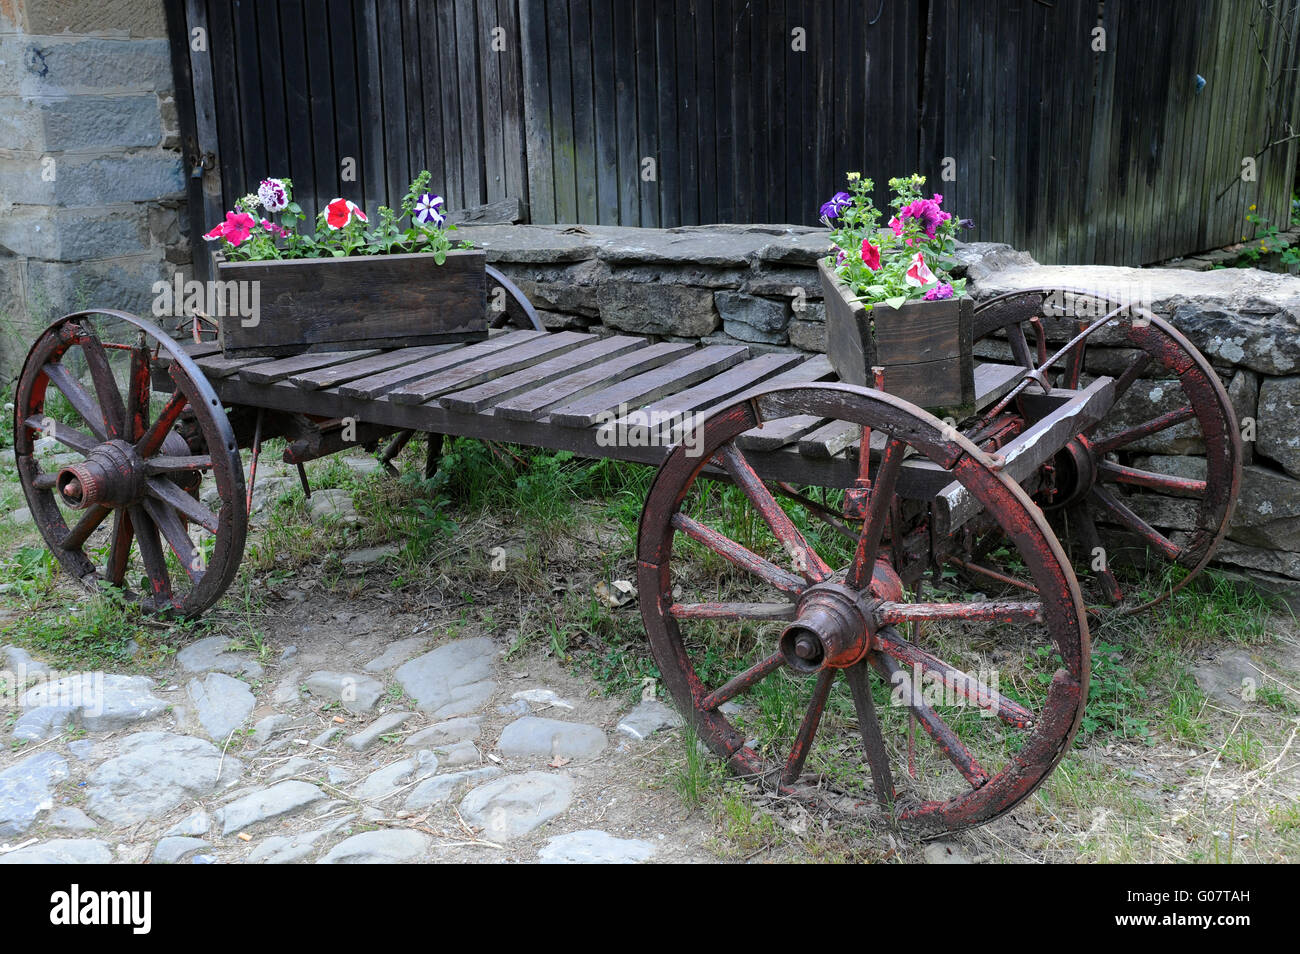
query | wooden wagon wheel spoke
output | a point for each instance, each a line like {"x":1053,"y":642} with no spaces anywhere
{"x":742,"y":682}
{"x":190,"y":508}
{"x":882,"y":496}
{"x":738,"y":555}
{"x":163,"y":464}
{"x":812,"y":718}
{"x":971,"y":567}
{"x":733,"y":611}
{"x":888,"y":641}
{"x":1124,"y":515}
{"x":68,"y":436}
{"x":1168,"y":483}
{"x":873,"y":742}
{"x":101,"y":374}
{"x":1136,"y":368}
{"x":1084,"y":523}
{"x":137,"y":395}
{"x":944,"y":737}
{"x":805,"y":558}
{"x":188,"y":553}
{"x":148,"y":445}
{"x":1146,"y":429}
{"x":151,"y":554}
{"x":84,"y":527}
{"x":997,"y":611}
{"x":119,"y":551}
{"x":79,"y":398}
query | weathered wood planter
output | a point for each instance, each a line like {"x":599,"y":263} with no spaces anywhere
{"x":924,"y":346}
{"x":367,"y":301}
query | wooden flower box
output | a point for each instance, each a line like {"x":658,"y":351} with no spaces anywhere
{"x":363,"y":301}
{"x":924,"y":346}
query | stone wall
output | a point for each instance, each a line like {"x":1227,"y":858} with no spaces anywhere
{"x":91,"y":177}
{"x":758,"y":285}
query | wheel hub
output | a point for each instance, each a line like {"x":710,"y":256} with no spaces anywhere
{"x":1075,"y":466}
{"x":111,"y":475}
{"x":833,"y":629}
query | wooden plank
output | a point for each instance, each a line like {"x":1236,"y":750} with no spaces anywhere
{"x":372,"y":157}
{"x":650,"y":386}
{"x":221,"y":46}
{"x":626,"y":65}
{"x":395,"y":124}
{"x":284,"y":368}
{"x":447,"y":58}
{"x":500,"y":389}
{"x":491,"y":112}
{"x":536,"y":403}
{"x":605,"y":79}
{"x":199,"y":349}
{"x":646,"y":114}
{"x":537,"y":112}
{"x":376,"y":384}
{"x":563,"y":143}
{"x":346,"y":102}
{"x":515,"y":145}
{"x":665,"y":49}
{"x":829,"y":439}
{"x":706,"y":112}
{"x":430,"y":117}
{"x":337,"y":374}
{"x":483,"y":369}
{"x":670,"y":416}
{"x":579,"y":41}
{"x":218,"y":366}
{"x":689,"y":120}
{"x":471,"y":108}
{"x":299,"y":160}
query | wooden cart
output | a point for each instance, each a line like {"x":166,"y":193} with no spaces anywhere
{"x":978,"y":496}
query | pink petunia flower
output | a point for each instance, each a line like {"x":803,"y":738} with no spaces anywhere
{"x":235,"y":229}
{"x":274,"y":229}
{"x":897,"y":225}
{"x":870,"y":255}
{"x":918,"y":273}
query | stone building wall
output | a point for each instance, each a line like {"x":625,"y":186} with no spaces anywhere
{"x":91,"y":177}
{"x":758,"y":285}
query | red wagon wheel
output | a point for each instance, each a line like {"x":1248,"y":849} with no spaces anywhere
{"x":138,"y":456}
{"x":1094,"y":475}
{"x":750,"y":634}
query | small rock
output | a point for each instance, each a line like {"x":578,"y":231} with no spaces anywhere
{"x":288,"y":689}
{"x":551,"y":738}
{"x":594,"y":848}
{"x":518,"y":707}
{"x":384,"y":782}
{"x":266,"y":728}
{"x":61,"y":851}
{"x":338,"y":775}
{"x":71,"y":819}
{"x":542,"y":697}
{"x":295,"y":766}
{"x":213,"y":655}
{"x":221,"y":702}
{"x":172,"y":849}
{"x":514,"y":805}
{"x":363,"y":466}
{"x":452,"y":680}
{"x":21,"y":517}
{"x":194,"y":824}
{"x":283,"y":850}
{"x":282,"y":799}
{"x":203,"y":860}
{"x":1224,"y":679}
{"x":83,"y":749}
{"x":378,"y":847}
{"x":358,"y":560}
{"x":443,"y":788}
{"x":46,"y":722}
{"x":453,"y":730}
{"x":648,"y":718}
{"x":458,"y":753}
{"x":357,"y":693}
{"x":371,"y":734}
{"x":944,"y":853}
{"x":288,"y":654}
{"x":396,"y":654}
{"x":26,"y":790}
{"x":333,"y":504}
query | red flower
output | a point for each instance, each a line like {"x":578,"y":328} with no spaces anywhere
{"x":870,"y":255}
{"x":340,"y":212}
